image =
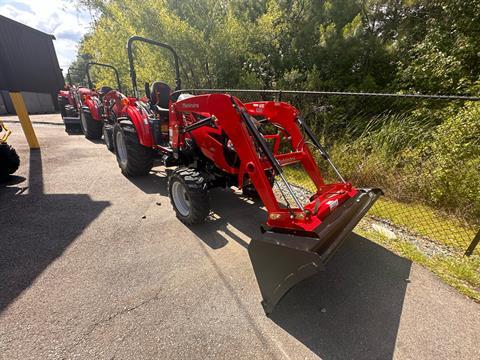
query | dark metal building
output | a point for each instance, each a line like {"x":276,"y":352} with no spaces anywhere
{"x":28,"y":63}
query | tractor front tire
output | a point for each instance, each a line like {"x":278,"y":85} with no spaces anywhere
{"x":188,"y":192}
{"x":108,"y":136}
{"x":91,"y":129}
{"x":9,"y":161}
{"x":133,"y":158}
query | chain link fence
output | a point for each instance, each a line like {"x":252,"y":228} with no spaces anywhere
{"x":422,"y":151}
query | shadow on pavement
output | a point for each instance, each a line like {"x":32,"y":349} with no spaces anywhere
{"x":350,"y":311}
{"x":96,"y":141}
{"x":37,"y":228}
{"x":13,"y":180}
{"x":153,"y":183}
{"x":353,"y":309}
{"x":232,"y":215}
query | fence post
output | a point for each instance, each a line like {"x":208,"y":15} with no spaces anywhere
{"x":279,"y":96}
{"x":473,"y":244}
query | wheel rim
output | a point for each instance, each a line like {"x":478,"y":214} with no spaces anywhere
{"x":121,"y":149}
{"x":105,"y":137}
{"x":180,"y":198}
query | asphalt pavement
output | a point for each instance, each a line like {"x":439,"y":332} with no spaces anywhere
{"x":94,"y":265}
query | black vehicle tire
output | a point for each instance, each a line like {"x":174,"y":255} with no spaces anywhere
{"x":61,"y":104}
{"x":9,"y":161}
{"x":249,"y":191}
{"x":188,"y":192}
{"x":108,"y":136}
{"x":133,"y":158}
{"x":91,"y":129}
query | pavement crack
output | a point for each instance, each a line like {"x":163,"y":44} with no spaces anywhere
{"x":132,"y":308}
{"x":111,"y":317}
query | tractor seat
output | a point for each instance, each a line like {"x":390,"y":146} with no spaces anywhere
{"x":160,"y":95}
{"x":104,"y":90}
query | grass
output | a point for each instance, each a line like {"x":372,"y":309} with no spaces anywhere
{"x":297,"y":176}
{"x":458,"y":271}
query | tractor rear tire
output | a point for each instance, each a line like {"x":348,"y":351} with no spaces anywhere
{"x":133,"y":158}
{"x":108,"y":136}
{"x":188,"y":192}
{"x":92,"y":129}
{"x":9,"y":161}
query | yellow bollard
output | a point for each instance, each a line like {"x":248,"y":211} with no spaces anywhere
{"x":22,"y":113}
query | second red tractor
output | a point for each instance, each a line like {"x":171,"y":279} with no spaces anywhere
{"x":82,"y":107}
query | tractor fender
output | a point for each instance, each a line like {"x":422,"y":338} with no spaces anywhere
{"x":140,"y":122}
{"x":64,"y":93}
{"x":92,"y":107}
{"x":126,"y":124}
{"x":86,"y":109}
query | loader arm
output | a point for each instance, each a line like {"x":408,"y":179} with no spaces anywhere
{"x":285,"y":115}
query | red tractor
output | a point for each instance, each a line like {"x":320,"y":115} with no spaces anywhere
{"x":82,"y":108}
{"x":217,"y":141}
{"x":67,"y":102}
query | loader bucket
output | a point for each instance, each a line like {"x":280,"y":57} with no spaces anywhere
{"x":281,"y":260}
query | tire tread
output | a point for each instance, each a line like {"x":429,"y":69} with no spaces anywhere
{"x":139,"y":157}
{"x":196,"y":183}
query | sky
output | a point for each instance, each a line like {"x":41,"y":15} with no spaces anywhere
{"x":56,"y":17}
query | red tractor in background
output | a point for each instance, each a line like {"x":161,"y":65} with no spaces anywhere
{"x":68,"y":105}
{"x":217,"y":141}
{"x":120,"y":109}
{"x":82,"y":108}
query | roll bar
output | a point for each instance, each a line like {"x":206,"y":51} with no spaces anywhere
{"x":133,"y":74}
{"x":69,"y":76}
{"x":92,"y":63}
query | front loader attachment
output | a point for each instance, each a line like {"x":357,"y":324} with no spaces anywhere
{"x":280,"y":260}
{"x":306,"y":222}
{"x":302,"y":233}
